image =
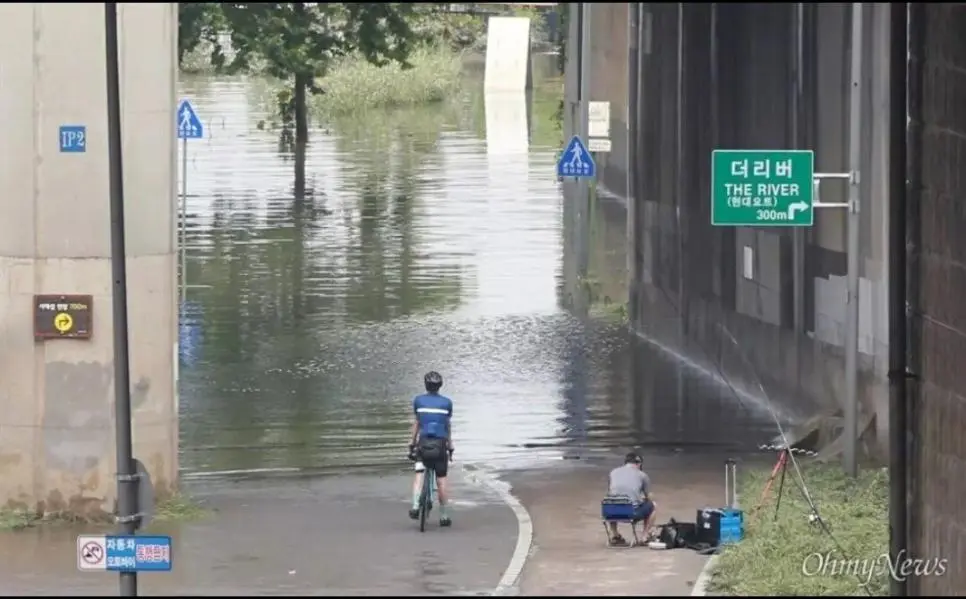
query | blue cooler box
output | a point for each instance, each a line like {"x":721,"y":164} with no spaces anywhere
{"x":720,"y":526}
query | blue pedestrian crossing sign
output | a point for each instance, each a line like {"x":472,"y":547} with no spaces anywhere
{"x":576,"y":161}
{"x":189,"y":125}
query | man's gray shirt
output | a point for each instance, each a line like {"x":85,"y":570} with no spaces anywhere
{"x":629,"y":481}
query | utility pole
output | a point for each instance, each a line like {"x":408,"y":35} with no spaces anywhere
{"x":633,"y":100}
{"x":127,"y":478}
{"x":679,"y":187}
{"x":852,"y":282}
{"x":582,"y":127}
{"x":898,"y":109}
{"x":851,"y":436}
{"x":798,"y":234}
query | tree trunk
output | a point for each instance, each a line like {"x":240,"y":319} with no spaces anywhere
{"x":301,"y":132}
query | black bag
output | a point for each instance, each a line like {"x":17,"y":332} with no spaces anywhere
{"x":670,"y":536}
{"x":432,"y":449}
{"x":677,"y":535}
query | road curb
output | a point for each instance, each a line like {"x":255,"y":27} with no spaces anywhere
{"x":700,"y":588}
{"x":511,"y":576}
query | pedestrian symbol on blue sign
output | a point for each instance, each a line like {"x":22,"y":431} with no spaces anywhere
{"x":189,"y":125}
{"x":576,"y":161}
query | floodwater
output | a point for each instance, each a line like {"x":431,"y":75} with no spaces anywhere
{"x":432,"y":239}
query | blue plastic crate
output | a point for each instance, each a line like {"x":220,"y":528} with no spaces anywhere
{"x":732,"y":526}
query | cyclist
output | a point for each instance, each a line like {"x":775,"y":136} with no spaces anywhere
{"x":431,"y":442}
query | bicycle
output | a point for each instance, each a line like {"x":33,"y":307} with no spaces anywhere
{"x":428,"y":493}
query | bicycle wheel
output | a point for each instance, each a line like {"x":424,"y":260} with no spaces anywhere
{"x":424,"y":497}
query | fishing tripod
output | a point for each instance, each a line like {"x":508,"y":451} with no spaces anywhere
{"x":781,"y":466}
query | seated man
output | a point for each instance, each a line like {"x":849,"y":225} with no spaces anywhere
{"x":630,"y":482}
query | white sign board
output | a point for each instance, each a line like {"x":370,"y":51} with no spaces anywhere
{"x":91,"y":552}
{"x":598,"y":145}
{"x":598,"y":119}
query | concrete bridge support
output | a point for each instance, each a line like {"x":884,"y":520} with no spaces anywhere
{"x":755,"y":76}
{"x":56,"y":397}
{"x":776,"y":76}
{"x":936,"y":286}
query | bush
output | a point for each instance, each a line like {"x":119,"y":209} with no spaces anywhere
{"x":355,"y":85}
{"x":792,"y":555}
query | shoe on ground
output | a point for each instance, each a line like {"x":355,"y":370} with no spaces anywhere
{"x":445,"y":522}
{"x":414,"y":514}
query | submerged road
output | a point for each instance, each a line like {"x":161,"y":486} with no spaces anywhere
{"x":432,"y":239}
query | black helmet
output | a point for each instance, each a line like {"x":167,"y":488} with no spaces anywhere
{"x":433,"y":381}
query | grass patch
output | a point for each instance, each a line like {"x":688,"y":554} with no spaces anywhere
{"x":178,"y":508}
{"x":791,"y":556}
{"x":611,"y":312}
{"x":354,"y":85}
{"x":16,"y":519}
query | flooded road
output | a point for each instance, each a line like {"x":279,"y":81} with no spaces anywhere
{"x":433,"y":238}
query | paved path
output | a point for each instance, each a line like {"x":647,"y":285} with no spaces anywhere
{"x":322,"y":536}
{"x":570,"y":557}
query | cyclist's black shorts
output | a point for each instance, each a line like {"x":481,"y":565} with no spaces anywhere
{"x":433,"y":454}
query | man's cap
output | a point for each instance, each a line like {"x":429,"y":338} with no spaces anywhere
{"x":633,"y":458}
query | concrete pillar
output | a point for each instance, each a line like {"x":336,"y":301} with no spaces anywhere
{"x":56,"y":397}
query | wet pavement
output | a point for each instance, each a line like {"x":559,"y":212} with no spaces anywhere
{"x":569,"y":554}
{"x":340,"y":535}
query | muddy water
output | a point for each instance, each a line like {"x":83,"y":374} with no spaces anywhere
{"x":432,"y":239}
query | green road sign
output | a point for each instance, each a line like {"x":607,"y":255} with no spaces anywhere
{"x":762,"y":188}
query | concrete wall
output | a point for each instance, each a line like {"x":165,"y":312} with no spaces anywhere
{"x":937,"y":287}
{"x":608,"y":82}
{"x":729,"y":76}
{"x":57,"y":447}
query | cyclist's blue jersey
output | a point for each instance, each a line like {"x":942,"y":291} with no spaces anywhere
{"x":433,"y":412}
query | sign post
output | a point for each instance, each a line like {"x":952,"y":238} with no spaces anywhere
{"x":598,"y":127}
{"x":63,"y":316}
{"x":189,"y":127}
{"x":576,"y":161}
{"x":124,"y":553}
{"x":72,"y":138}
{"x":762,"y":188}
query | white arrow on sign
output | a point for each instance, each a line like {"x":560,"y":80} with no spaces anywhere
{"x":796,"y":207}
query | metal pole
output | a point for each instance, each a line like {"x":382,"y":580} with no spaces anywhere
{"x":852,"y":283}
{"x":633,"y":75}
{"x":126,"y":479}
{"x":798,"y":233}
{"x":679,"y":174}
{"x":898,"y":53}
{"x":184,"y":218}
{"x":583,"y":184}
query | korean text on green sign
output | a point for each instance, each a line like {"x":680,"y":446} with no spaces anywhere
{"x":762,"y":188}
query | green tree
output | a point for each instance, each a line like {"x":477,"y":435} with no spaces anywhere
{"x":198,"y":22}
{"x":297,"y":42}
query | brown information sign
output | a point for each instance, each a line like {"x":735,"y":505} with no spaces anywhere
{"x":63,"y":316}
